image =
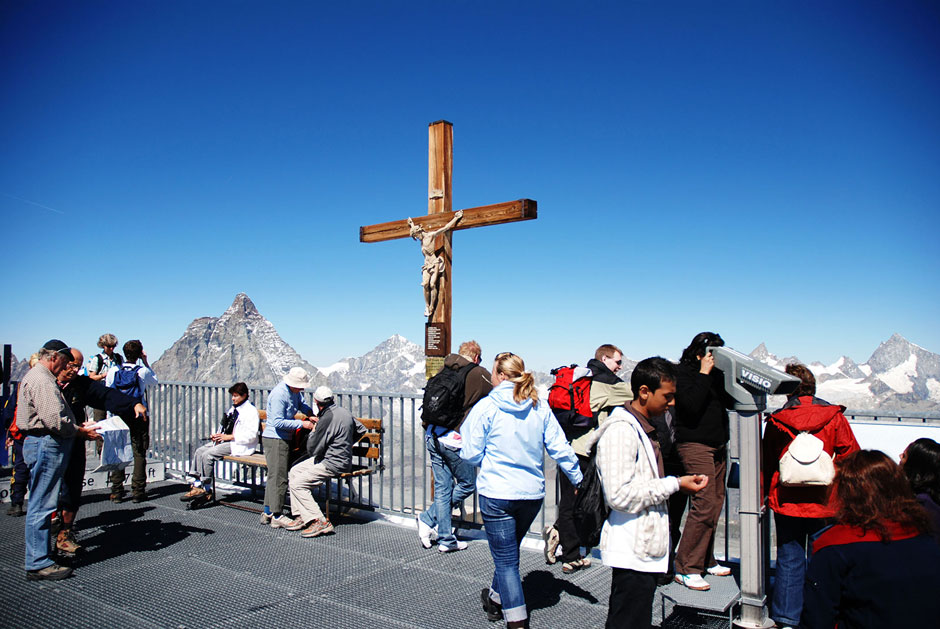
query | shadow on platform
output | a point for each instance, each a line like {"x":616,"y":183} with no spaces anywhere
{"x":155,"y":564}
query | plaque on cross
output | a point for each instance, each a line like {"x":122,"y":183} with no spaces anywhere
{"x":441,"y":222}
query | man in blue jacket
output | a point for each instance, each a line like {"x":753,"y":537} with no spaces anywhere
{"x":286,"y":414}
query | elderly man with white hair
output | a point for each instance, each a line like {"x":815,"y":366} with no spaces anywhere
{"x":286,"y":413}
{"x":329,"y":449}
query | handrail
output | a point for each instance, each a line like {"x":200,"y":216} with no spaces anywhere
{"x":184,"y":414}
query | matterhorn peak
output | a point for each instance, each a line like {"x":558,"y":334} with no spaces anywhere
{"x":760,"y":352}
{"x":241,"y":345}
{"x":242,"y":304}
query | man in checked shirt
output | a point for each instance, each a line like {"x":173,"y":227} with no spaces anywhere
{"x":44,"y":416}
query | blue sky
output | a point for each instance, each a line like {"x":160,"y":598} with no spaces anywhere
{"x":770,"y":171}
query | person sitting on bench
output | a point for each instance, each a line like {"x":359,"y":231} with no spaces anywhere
{"x":329,"y":450}
{"x":237,"y":435}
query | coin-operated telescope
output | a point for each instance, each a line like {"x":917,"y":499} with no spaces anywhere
{"x":749,"y":382}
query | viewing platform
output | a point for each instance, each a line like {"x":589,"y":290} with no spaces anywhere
{"x":155,"y":564}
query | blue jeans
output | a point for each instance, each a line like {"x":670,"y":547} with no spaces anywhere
{"x":449,"y":470}
{"x":47,"y":458}
{"x":792,"y":558}
{"x":506,"y":523}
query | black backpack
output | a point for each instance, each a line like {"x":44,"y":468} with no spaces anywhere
{"x":443,"y":397}
{"x":590,"y":507}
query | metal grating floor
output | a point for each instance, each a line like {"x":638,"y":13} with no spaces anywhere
{"x":157,"y":565}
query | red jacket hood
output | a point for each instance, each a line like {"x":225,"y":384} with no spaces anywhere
{"x":806,"y":413}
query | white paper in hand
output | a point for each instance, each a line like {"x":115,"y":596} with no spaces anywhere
{"x":116,"y":451}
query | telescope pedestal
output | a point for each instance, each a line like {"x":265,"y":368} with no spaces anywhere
{"x":752,"y":516}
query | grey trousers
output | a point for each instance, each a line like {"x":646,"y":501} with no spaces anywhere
{"x":276,"y":454}
{"x":303,"y":478}
{"x":205,"y":456}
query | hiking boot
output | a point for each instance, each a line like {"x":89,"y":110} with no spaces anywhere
{"x":138,"y":498}
{"x":693,"y":582}
{"x":200,"y":501}
{"x":16,"y":510}
{"x":317,"y":528}
{"x":55,"y":572}
{"x":452,"y":549}
{"x":552,"y":539}
{"x":281,"y":522}
{"x":266,"y":519}
{"x":194,"y":492}
{"x":425,"y":532}
{"x":494,"y":611}
{"x":297,"y":524}
{"x":65,"y":542}
{"x":117,"y":497}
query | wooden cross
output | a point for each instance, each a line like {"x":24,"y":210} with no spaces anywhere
{"x":437,"y":340}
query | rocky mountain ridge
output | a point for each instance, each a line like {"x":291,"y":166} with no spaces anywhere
{"x":243,"y":345}
{"x":899,"y":376}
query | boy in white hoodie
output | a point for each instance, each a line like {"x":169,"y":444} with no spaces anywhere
{"x":635,"y":538}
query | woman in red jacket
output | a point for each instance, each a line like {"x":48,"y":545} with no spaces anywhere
{"x":799,"y":511}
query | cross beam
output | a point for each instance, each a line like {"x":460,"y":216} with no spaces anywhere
{"x":496,"y":214}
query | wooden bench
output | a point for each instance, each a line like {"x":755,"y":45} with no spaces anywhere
{"x":367,"y":460}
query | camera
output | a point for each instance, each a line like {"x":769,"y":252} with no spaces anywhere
{"x":750,"y":381}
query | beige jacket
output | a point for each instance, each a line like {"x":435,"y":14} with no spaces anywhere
{"x":603,"y":398}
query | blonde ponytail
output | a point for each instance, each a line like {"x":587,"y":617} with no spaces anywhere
{"x":513,"y":367}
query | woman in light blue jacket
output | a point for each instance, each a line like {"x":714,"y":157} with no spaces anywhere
{"x":504,"y":435}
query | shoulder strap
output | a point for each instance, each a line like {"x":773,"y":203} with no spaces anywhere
{"x":465,"y":371}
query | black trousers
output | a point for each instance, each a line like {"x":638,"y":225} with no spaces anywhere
{"x":70,"y":497}
{"x":567,"y":533}
{"x":631,"y":599}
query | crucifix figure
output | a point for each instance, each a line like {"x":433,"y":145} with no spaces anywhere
{"x":435,"y":232}
{"x":433,"y":263}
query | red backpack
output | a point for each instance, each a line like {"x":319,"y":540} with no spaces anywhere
{"x":569,"y":397}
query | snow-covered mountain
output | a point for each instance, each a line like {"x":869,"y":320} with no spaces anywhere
{"x":899,"y":375}
{"x":394,"y":366}
{"x":241,"y":345}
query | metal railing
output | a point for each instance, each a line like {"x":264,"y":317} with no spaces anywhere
{"x":183,"y":415}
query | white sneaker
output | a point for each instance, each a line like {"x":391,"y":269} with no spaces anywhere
{"x":452,"y":549}
{"x":425,"y":532}
{"x":281,"y":522}
{"x":693,"y":582}
{"x":266,"y":518}
{"x":719,"y":571}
